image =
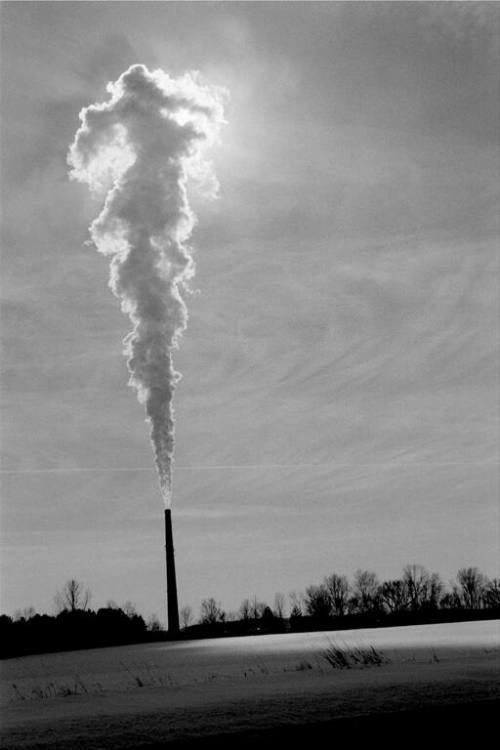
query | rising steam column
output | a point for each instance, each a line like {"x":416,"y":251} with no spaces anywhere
{"x":145,"y":142}
{"x":172,"y":605}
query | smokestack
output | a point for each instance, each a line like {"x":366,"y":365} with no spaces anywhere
{"x":141,"y":148}
{"x":172,"y":606}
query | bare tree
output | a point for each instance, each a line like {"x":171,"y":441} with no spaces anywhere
{"x":296,"y":604}
{"x":256,"y":608}
{"x":338,"y":590}
{"x":279,"y":605}
{"x":73,"y":596}
{"x":424,"y":589}
{"x":318,"y":602}
{"x":492,"y":593}
{"x":416,"y":579}
{"x":153,"y":624}
{"x":24,"y":614}
{"x":472,"y":585}
{"x":244,"y":610}
{"x":451,"y":599}
{"x":435,"y":591}
{"x":394,"y":595}
{"x":365,"y":596}
{"x":186,"y":615}
{"x":211,"y":612}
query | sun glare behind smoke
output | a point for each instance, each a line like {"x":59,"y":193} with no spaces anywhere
{"x":141,"y":147}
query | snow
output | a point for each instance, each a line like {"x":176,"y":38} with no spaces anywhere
{"x":199,"y":687}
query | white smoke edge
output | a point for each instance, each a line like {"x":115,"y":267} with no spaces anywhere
{"x":140,"y":147}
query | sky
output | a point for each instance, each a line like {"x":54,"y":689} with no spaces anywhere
{"x":339,"y":401}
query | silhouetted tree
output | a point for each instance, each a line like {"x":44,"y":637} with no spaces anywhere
{"x":416,"y":579}
{"x":6,"y":621}
{"x":267,"y":616}
{"x":73,"y":596}
{"x":257,"y":608}
{"x":394,"y":595}
{"x":296,"y":604}
{"x":279,"y":605}
{"x":24,"y":614}
{"x":435,"y":591}
{"x":451,"y":599}
{"x":365,"y":597}
{"x":338,"y":589}
{"x":9,"y":636}
{"x":472,"y":585}
{"x":492,"y":593}
{"x":211,"y":612}
{"x":318,"y":603}
{"x":424,"y":589}
{"x":244,"y":610}
{"x":153,"y":624}
{"x":186,"y":614}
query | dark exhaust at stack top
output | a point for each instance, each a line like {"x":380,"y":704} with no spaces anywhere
{"x":172,"y":605}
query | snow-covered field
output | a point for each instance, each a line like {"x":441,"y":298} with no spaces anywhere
{"x":132,"y":695}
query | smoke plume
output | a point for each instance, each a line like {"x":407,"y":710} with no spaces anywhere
{"x":141,"y":146}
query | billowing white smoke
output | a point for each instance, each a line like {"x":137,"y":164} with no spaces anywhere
{"x":141,"y":146}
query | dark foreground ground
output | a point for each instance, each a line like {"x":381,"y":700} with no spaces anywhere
{"x":446,"y":725}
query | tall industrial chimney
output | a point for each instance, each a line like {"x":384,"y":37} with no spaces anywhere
{"x":172,"y":605}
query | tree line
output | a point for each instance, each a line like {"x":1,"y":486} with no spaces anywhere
{"x":74,"y":626}
{"x":417,"y":596}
